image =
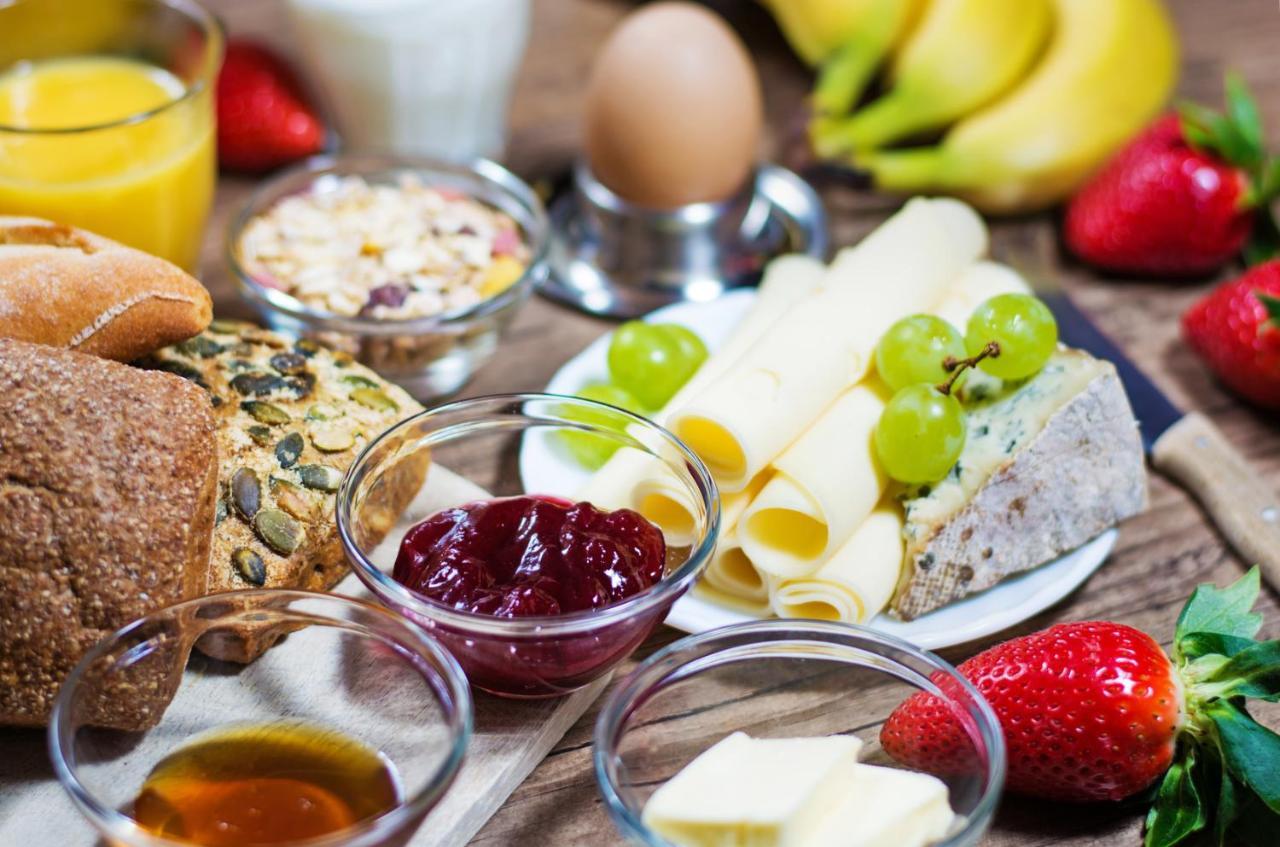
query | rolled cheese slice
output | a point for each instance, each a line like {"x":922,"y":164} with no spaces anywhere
{"x":748,"y":415}
{"x":630,"y":479}
{"x":979,"y":282}
{"x":857,"y":583}
{"x":824,"y":485}
{"x":730,"y":570}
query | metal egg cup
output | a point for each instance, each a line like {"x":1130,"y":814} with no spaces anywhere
{"x":612,"y":258}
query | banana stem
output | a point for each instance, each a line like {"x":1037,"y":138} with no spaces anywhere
{"x":894,"y":116}
{"x":904,"y":170}
{"x":845,"y":76}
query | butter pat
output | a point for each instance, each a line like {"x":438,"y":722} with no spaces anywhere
{"x":756,"y":792}
{"x":888,"y":807}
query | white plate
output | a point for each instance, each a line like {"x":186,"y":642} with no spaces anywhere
{"x":1009,"y":603}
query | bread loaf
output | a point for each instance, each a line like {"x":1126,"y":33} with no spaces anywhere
{"x":69,"y":288}
{"x":292,"y":417}
{"x":108,"y":478}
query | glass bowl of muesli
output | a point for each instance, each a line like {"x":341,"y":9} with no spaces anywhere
{"x":413,"y":266}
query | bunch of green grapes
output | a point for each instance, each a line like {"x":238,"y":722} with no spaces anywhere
{"x":922,"y":358}
{"x":648,"y":364}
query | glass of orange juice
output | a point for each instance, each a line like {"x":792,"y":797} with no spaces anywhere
{"x":107,"y":118}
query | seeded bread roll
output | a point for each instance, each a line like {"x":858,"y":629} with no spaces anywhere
{"x":108,"y":477}
{"x":69,"y":288}
{"x":292,"y":416}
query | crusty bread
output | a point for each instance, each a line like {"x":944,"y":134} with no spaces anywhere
{"x":108,"y":479}
{"x":292,"y":417}
{"x":69,"y":288}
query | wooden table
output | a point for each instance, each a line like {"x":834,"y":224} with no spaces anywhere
{"x":1161,"y":555}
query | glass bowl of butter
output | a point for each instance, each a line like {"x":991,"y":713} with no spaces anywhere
{"x":770,"y":733}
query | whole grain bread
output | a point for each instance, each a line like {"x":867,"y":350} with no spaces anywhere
{"x":108,"y":477}
{"x":69,"y":288}
{"x":292,"y":417}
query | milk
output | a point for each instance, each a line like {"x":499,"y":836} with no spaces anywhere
{"x":424,"y":77}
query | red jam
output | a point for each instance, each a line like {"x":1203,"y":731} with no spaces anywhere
{"x":519,"y":556}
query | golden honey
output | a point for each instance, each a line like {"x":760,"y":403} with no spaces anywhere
{"x":262,"y":784}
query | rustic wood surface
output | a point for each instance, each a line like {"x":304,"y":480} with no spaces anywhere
{"x":1161,"y":555}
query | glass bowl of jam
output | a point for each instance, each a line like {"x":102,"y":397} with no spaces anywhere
{"x":345,"y":730}
{"x":803,"y":687}
{"x":537,"y":593}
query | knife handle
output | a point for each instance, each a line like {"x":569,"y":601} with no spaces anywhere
{"x":1195,"y":453}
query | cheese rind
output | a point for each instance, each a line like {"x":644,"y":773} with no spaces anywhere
{"x":755,"y":792}
{"x":1048,"y":465}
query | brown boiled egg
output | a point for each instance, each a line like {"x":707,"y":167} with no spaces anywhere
{"x":673,"y":109}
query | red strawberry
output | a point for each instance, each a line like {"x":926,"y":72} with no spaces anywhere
{"x":1096,"y":711}
{"x":263,"y":119}
{"x":1182,"y":199}
{"x":1102,"y":696}
{"x":1236,"y":330}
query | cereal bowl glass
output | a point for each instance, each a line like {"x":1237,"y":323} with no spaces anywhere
{"x":338,"y":664}
{"x":473,"y":447}
{"x":431,"y":355}
{"x":780,"y":679}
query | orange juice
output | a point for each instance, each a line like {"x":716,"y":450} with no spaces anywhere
{"x":114,"y":145}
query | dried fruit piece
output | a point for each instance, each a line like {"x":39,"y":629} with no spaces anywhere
{"x":278,"y":531}
{"x":250,"y":566}
{"x":289,"y":450}
{"x":246,"y":493}
{"x":372,"y":398}
{"x":320,"y":477}
{"x":267,"y":413}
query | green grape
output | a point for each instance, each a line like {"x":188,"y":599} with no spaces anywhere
{"x":1024,"y":328}
{"x":913,"y":349}
{"x":920,"y":434}
{"x":653,"y":361}
{"x":591,"y":450}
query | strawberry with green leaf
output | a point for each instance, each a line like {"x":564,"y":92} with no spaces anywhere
{"x":1184,"y":198}
{"x":1236,"y":330}
{"x":1097,"y":711}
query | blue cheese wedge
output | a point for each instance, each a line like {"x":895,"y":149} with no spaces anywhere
{"x":1049,"y":463}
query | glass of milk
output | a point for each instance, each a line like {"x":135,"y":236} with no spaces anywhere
{"x":420,"y":77}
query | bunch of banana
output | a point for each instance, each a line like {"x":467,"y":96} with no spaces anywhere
{"x":1033,"y":95}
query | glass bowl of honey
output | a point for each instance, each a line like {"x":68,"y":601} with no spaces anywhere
{"x":345,"y":728}
{"x":786,"y":685}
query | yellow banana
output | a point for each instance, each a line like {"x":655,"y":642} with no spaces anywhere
{"x":1109,"y":68}
{"x":815,"y":29}
{"x":963,"y":55}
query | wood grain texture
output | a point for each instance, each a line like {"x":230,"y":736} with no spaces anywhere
{"x":1161,"y":556}
{"x":1243,"y":507}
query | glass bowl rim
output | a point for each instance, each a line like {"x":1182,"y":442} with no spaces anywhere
{"x":367,"y":833}
{"x":212,"y":61}
{"x":638,"y":686}
{"x":270,"y":192}
{"x":382,"y":585}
